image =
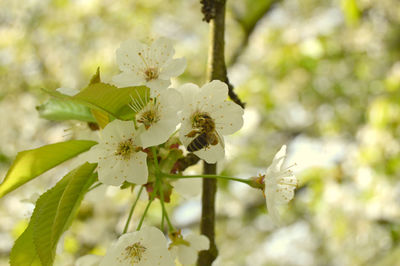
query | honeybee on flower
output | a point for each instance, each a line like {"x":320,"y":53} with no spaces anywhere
{"x":206,"y":117}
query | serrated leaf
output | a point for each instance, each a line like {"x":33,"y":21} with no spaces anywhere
{"x":111,"y":99}
{"x":96,"y":77}
{"x":56,"y":208}
{"x":24,"y":251}
{"x":64,"y":109}
{"x":52,"y":216}
{"x":31,"y":163}
{"x":108,"y":98}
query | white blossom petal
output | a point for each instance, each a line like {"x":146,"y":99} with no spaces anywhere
{"x":137,"y":169}
{"x":279,"y":185}
{"x":128,"y":78}
{"x":187,"y":255}
{"x":88,"y":260}
{"x":173,"y":68}
{"x":278,"y":160}
{"x":189,"y":92}
{"x":147,"y":247}
{"x":128,"y":58}
{"x":198,"y":242}
{"x":68,"y":91}
{"x":212,"y":153}
{"x":157,"y":86}
{"x":228,"y":118}
{"x":215,"y":92}
{"x":273,"y":211}
{"x":162,"y":49}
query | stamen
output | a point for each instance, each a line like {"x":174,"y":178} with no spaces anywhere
{"x":134,"y":253}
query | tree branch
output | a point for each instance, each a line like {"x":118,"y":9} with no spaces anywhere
{"x":216,"y":69}
{"x":248,"y":26}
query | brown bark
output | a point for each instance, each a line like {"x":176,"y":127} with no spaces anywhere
{"x":216,"y":69}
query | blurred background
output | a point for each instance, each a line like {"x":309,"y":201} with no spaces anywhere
{"x":322,"y":76}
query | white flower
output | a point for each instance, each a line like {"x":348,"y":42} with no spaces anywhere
{"x":152,"y":66}
{"x":119,"y":155}
{"x":279,"y":185}
{"x":88,"y":260}
{"x":159,"y":116}
{"x":68,"y":91}
{"x":185,"y":250}
{"x":147,"y":247}
{"x":206,"y":117}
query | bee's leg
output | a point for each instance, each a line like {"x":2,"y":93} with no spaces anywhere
{"x":213,"y":139}
{"x":192,"y":133}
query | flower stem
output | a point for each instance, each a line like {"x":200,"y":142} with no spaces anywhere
{"x":144,"y":213}
{"x":246,"y":181}
{"x":95,"y":186}
{"x":165,"y":213}
{"x":131,"y":211}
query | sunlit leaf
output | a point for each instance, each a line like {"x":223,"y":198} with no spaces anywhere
{"x":96,"y":77}
{"x":53,"y":214}
{"x":108,"y":98}
{"x":56,"y":210}
{"x":31,"y":163}
{"x":101,"y":117}
{"x":24,"y":251}
{"x":63,"y":109}
{"x":351,"y":11}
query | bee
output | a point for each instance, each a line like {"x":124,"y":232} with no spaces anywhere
{"x":204,"y":133}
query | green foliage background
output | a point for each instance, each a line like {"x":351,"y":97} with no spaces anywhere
{"x":321,"y":76}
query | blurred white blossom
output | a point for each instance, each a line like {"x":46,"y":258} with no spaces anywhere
{"x":185,"y":250}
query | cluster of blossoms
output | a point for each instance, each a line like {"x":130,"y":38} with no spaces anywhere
{"x":201,"y":117}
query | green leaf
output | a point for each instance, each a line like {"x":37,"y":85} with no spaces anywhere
{"x":96,"y":77}
{"x":63,"y":109}
{"x":108,"y":98}
{"x":24,"y":251}
{"x":101,"y":117}
{"x":52,"y":216}
{"x":31,"y":163}
{"x":351,"y":11}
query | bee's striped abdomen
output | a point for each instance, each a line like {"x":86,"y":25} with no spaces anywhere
{"x":198,"y":143}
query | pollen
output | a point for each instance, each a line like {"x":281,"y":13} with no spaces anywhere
{"x":151,"y":73}
{"x":125,"y":149}
{"x":134,"y":253}
{"x":149,"y":115}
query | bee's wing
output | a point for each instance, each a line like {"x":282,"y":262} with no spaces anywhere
{"x":220,"y":139}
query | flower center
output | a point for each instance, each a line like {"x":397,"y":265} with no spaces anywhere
{"x":125,"y":149}
{"x":151,"y":73}
{"x":149,"y":115}
{"x":134,"y":253}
